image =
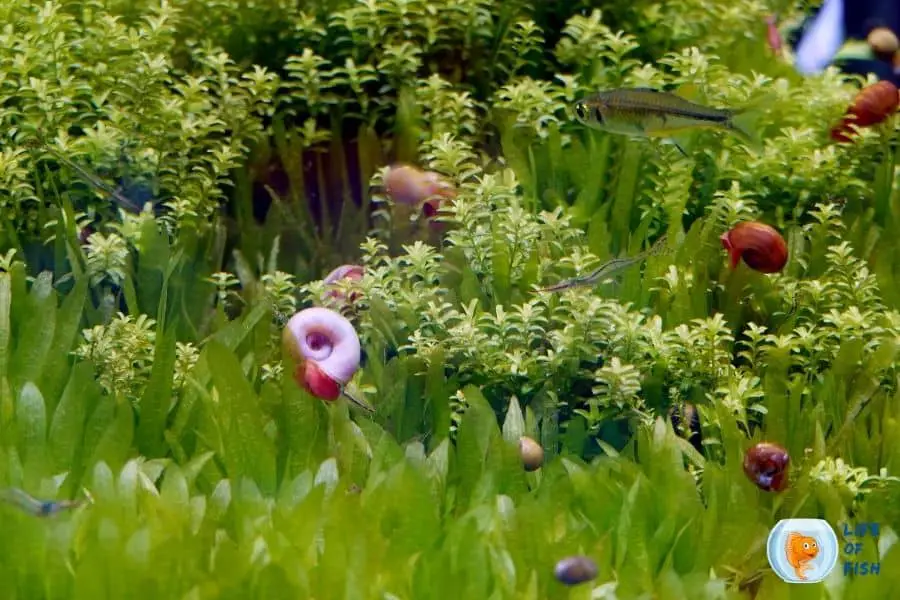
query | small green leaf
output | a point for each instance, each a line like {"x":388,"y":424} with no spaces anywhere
{"x":514,"y":424}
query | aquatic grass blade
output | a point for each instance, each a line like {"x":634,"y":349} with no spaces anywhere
{"x":249,"y":452}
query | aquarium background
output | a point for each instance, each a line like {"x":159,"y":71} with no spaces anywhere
{"x":179,"y":178}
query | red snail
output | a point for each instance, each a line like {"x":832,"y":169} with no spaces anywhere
{"x":766,"y":465}
{"x":326,"y":352}
{"x":872,"y":105}
{"x":351,"y":272}
{"x":760,"y":246}
{"x":406,"y":184}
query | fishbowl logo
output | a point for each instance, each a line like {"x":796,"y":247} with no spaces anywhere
{"x":802,"y":550}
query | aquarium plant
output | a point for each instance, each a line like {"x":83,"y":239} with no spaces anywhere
{"x":202,"y":215}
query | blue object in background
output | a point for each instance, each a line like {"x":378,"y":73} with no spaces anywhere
{"x":838,"y":21}
{"x":819,"y":567}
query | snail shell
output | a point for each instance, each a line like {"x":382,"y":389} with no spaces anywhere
{"x":531,"y":452}
{"x":406,"y":184}
{"x":883,"y":41}
{"x":760,"y":246}
{"x":766,"y":465}
{"x":351,"y":272}
{"x":872,"y":105}
{"x":575,"y":569}
{"x":325,"y":349}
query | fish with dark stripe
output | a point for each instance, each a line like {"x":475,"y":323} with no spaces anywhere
{"x":646,"y":112}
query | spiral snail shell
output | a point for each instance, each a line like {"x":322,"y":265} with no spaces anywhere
{"x":766,"y":465}
{"x":872,"y":105}
{"x":325,"y":350}
{"x":760,"y":246}
{"x":349,"y":272}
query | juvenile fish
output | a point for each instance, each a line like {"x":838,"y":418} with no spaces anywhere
{"x":38,"y":508}
{"x":608,"y":268}
{"x":95,"y":181}
{"x":645,"y":112}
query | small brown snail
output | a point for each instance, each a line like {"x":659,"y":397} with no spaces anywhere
{"x":761,"y":247}
{"x":575,"y":569}
{"x":766,"y":465}
{"x":872,"y":105}
{"x":406,"y":184}
{"x":883,"y":42}
{"x":531,"y":452}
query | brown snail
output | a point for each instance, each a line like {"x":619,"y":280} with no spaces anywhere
{"x":531,"y":452}
{"x":883,"y":42}
{"x":761,"y":247}
{"x":766,"y":465}
{"x":872,"y":105}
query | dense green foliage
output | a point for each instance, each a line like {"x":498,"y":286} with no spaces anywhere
{"x":140,"y":355}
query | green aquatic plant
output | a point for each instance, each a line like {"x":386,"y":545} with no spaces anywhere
{"x":140,"y":353}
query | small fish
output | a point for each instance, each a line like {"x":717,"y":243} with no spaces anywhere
{"x":646,"y":112}
{"x":800,"y":550}
{"x":608,"y":268}
{"x":95,"y":181}
{"x":355,"y":399}
{"x":773,"y":35}
{"x":39,"y":508}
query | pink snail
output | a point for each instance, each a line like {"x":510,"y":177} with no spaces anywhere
{"x":326,"y":351}
{"x":351,"y":272}
{"x":406,"y":184}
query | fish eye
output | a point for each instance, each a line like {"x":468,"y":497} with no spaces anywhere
{"x":580,"y":110}
{"x":806,"y":546}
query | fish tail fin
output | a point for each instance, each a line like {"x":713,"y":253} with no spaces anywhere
{"x":745,"y":121}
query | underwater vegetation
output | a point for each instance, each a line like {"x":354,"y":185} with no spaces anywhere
{"x":345,"y":299}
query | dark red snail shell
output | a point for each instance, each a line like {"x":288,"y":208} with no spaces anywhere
{"x":872,"y":105}
{"x":766,"y":465}
{"x":761,"y":247}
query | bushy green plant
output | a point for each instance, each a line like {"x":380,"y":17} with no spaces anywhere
{"x":142,"y":362}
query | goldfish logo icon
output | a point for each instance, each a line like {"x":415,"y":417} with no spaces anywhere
{"x":802,"y":550}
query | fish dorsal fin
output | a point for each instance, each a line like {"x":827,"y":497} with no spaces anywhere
{"x":789,"y":542}
{"x":647,"y":89}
